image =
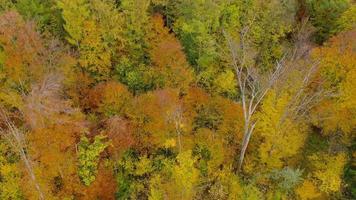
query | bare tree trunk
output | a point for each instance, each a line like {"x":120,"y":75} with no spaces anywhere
{"x":252,"y":86}
{"x":16,"y":139}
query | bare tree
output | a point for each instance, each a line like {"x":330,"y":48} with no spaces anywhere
{"x":176,"y":117}
{"x":253,"y":86}
{"x":16,"y":139}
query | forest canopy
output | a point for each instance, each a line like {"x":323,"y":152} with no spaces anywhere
{"x":177,"y":99}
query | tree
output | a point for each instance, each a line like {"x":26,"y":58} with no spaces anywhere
{"x":20,"y":57}
{"x":324,"y":15}
{"x":185,"y":175}
{"x":45,"y":13}
{"x":327,"y":170}
{"x":16,"y":139}
{"x":10,"y":173}
{"x":95,"y":55}
{"x":95,"y":35}
{"x":168,"y":57}
{"x":74,"y":13}
{"x":133,"y":66}
{"x":337,"y":71}
{"x":307,"y":190}
{"x":347,"y":20}
{"x":54,"y":126}
{"x":110,"y":99}
{"x":89,"y":157}
{"x":282,"y":136}
{"x":251,"y":91}
{"x":254,"y":83}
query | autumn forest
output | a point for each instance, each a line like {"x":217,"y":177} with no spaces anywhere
{"x":177,"y":99}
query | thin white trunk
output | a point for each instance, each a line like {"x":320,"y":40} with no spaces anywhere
{"x":16,"y":139}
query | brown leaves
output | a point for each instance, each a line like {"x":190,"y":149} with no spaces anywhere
{"x":120,"y":133}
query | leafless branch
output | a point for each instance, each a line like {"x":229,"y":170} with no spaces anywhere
{"x":16,"y":139}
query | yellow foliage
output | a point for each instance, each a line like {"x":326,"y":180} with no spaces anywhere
{"x":185,"y":176}
{"x":281,"y":137}
{"x":338,"y":74}
{"x":10,"y":176}
{"x":95,"y":56}
{"x":170,"y":143}
{"x":307,"y":191}
{"x":74,"y":13}
{"x":328,"y":171}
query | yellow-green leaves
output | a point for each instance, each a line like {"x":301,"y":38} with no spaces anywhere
{"x":89,"y":157}
{"x":185,"y":175}
{"x":74,"y":13}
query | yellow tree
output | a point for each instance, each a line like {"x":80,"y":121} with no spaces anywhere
{"x":94,"y":28}
{"x":281,"y":136}
{"x":337,"y":73}
{"x":328,"y":171}
{"x":95,"y":55}
{"x":185,"y":176}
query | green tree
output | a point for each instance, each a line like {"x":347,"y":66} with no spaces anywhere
{"x":324,"y":15}
{"x":88,"y":158}
{"x":45,"y":13}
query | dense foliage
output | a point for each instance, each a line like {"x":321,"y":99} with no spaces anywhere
{"x":177,"y":99}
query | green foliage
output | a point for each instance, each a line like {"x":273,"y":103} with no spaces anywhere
{"x":287,"y":178}
{"x":44,"y":12}
{"x":324,"y":15}
{"x":202,"y":26}
{"x":138,"y":78}
{"x":6,"y":5}
{"x":153,"y":83}
{"x":88,"y":158}
{"x":350,"y":172}
{"x":74,"y":14}
{"x":136,"y":27}
{"x":132,"y":175}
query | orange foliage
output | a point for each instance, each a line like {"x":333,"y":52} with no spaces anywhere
{"x":55,"y":130}
{"x":168,"y":57}
{"x":337,"y":72}
{"x":152,"y":116}
{"x":120,"y":133}
{"x":22,"y":47}
{"x":110,"y":98}
{"x":103,"y":187}
{"x":53,"y":151}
